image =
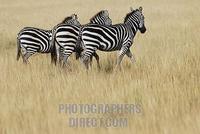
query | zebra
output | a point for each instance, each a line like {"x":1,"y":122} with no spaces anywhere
{"x":66,"y":36}
{"x":112,"y":38}
{"x":32,"y":40}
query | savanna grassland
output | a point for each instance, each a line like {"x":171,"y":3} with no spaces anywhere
{"x":164,"y":80}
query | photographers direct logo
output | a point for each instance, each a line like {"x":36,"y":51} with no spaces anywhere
{"x":90,"y":115}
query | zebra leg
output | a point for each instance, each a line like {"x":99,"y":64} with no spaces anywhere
{"x":60,"y":59}
{"x":60,"y":51}
{"x":120,"y":57}
{"x":24,"y":59}
{"x":90,"y":62}
{"x":87,"y":54}
{"x":26,"y":56}
{"x":65,"y":56}
{"x":85,"y":59}
{"x":97,"y":59}
{"x":57,"y":52}
{"x":130,"y":55}
{"x":86,"y":62}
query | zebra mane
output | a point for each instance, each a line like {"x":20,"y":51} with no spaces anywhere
{"x":129,"y":14}
{"x":98,"y":14}
{"x":67,"y":19}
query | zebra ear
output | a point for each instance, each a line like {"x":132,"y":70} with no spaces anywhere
{"x":73,"y":16}
{"x":140,"y":9}
{"x":131,"y":8}
{"x":106,"y":12}
{"x":76,"y":17}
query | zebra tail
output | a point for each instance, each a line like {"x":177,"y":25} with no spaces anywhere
{"x":53,"y":50}
{"x":79,"y":45}
{"x":18,"y":48}
{"x":54,"y":55}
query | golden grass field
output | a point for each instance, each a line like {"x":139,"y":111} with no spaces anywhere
{"x":165,"y":80}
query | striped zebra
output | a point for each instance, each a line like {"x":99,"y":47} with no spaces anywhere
{"x":32,"y":40}
{"x":66,"y":36}
{"x":112,"y":38}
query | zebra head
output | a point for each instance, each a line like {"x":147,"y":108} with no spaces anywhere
{"x":142,"y":27}
{"x":136,"y":19}
{"x":101,"y":18}
{"x":72,"y":20}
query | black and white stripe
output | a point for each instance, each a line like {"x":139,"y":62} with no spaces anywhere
{"x":32,"y":40}
{"x":111,"y":38}
{"x":66,"y":36}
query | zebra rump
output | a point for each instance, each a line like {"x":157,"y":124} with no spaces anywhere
{"x":66,"y":36}
{"x":32,"y":40}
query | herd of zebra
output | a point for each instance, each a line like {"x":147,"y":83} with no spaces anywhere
{"x":70,"y":36}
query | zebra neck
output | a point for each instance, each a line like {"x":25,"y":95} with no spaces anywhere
{"x":132,"y":26}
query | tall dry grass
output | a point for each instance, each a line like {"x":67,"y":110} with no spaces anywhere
{"x":165,"y":79}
